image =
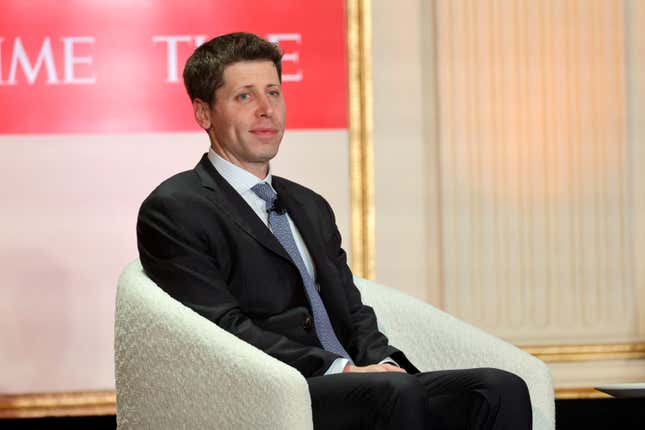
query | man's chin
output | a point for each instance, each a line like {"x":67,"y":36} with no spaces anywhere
{"x":268,"y":151}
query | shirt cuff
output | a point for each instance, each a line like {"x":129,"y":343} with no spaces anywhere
{"x":389,"y":360}
{"x":337,"y":366}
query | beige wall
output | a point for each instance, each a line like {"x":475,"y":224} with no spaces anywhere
{"x":507,"y":138}
{"x":406,"y":234}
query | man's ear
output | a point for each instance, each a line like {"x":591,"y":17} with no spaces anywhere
{"x":202,"y":113}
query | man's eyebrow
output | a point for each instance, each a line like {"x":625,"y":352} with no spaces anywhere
{"x":249,"y":86}
{"x":244,"y":86}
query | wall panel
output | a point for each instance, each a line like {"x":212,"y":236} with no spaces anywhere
{"x":533,"y":173}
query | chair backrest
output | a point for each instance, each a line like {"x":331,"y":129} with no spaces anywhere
{"x":176,"y":369}
{"x":435,"y":340}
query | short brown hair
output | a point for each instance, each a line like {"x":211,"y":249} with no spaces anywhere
{"x":204,"y":70}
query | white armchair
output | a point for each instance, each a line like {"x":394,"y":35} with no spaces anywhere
{"x":175,"y":369}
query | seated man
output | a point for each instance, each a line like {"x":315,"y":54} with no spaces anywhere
{"x":261,"y":257}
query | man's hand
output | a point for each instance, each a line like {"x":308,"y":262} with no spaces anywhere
{"x":385,"y":367}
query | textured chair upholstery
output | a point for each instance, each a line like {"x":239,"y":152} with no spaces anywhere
{"x":175,"y":369}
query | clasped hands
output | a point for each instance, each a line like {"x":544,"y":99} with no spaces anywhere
{"x":384,"y":367}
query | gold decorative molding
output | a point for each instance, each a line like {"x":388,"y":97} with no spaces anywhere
{"x":93,"y":403}
{"x":579,"y":393}
{"x":569,"y":353}
{"x":359,"y":38}
{"x":70,"y":403}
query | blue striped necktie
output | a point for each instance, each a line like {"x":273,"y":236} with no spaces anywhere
{"x":280,"y":227}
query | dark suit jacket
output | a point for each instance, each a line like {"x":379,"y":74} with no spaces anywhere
{"x":203,"y":244}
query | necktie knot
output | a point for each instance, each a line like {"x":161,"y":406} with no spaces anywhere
{"x":265,"y":192}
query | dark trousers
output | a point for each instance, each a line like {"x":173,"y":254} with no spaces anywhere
{"x":442,"y":400}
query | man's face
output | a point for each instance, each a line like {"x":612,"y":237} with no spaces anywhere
{"x":246,"y":122}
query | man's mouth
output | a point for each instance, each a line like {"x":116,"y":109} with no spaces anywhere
{"x":264,"y":132}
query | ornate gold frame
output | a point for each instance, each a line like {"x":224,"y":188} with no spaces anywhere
{"x":88,"y":403}
{"x":361,"y":155}
{"x":71,"y":403}
{"x":569,"y":353}
{"x":579,"y":393}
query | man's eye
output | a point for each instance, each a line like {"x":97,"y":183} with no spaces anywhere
{"x":274,"y":93}
{"x":243,"y":96}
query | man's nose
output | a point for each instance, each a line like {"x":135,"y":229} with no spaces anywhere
{"x":264,"y":107}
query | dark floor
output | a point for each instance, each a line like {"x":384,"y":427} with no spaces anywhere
{"x":588,"y":414}
{"x":610,"y":414}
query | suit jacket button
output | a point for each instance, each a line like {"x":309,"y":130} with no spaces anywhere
{"x":308,"y":323}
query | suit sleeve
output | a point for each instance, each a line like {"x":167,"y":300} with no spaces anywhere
{"x":177,"y":253}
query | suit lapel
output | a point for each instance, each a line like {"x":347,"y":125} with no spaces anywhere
{"x":315,"y":245}
{"x":233,"y":205}
{"x":309,"y":234}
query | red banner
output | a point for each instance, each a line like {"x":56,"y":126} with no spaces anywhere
{"x":97,"y":67}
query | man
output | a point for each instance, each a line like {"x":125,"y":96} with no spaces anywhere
{"x":261,"y":257}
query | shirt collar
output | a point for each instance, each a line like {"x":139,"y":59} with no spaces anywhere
{"x":241,"y":180}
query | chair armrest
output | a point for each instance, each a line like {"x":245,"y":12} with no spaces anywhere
{"x":435,"y":340}
{"x":176,"y":369}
